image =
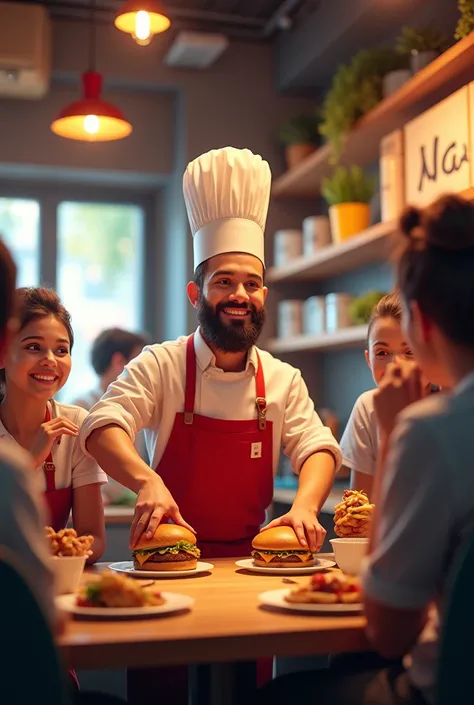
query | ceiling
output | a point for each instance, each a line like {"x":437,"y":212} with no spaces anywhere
{"x":245,"y":19}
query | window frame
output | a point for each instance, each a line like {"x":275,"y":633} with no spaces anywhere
{"x":49,"y":197}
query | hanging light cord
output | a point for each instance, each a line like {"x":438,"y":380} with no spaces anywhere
{"x":92,"y":37}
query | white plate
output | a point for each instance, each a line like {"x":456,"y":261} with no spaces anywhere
{"x":127,"y":567}
{"x":319,"y":564}
{"x":174,"y":603}
{"x":275,"y":598}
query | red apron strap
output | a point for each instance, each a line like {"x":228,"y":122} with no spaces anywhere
{"x":48,"y":465}
{"x":261,"y":400}
{"x":190,"y":393}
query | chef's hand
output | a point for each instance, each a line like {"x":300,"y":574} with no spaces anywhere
{"x":154,"y":501}
{"x":400,"y":386}
{"x":309,"y":531}
{"x":48,"y":434}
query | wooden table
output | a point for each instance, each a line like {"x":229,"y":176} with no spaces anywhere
{"x":225,"y":625}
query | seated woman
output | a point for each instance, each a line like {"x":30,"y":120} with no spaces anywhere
{"x":35,"y":368}
{"x":22,"y":513}
{"x":424,"y":497}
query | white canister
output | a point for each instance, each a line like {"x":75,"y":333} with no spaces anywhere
{"x":392,"y":178}
{"x":314,"y":315}
{"x":316,"y":234}
{"x":337,"y":312}
{"x":288,"y":246}
{"x":290,"y":318}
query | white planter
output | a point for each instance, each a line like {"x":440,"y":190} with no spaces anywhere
{"x":288,"y":246}
{"x":420,"y":59}
{"x":395,"y":80}
{"x":316,"y":234}
{"x":290,"y":318}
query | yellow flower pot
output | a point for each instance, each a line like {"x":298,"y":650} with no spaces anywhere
{"x":348,"y":219}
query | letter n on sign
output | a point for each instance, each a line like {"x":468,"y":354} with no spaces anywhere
{"x":437,"y":150}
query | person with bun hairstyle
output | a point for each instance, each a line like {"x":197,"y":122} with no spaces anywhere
{"x":386,"y":343}
{"x":34,"y":368}
{"x":424,"y":492}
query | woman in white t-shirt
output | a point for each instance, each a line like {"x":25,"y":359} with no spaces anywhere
{"x":385,"y":343}
{"x":35,"y":368}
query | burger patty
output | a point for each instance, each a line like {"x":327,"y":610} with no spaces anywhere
{"x":292,"y":558}
{"x":170,"y":557}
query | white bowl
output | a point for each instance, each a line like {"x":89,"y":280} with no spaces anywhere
{"x":68,"y":571}
{"x":349,"y":554}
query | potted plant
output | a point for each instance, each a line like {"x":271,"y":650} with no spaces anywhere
{"x":348,"y":193}
{"x":299,"y":135}
{"x":361,"y":307}
{"x":356,"y":89}
{"x":421,"y":44}
{"x":465,"y":23}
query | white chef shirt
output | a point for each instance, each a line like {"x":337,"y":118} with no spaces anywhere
{"x":360,"y":440}
{"x":72,"y":466}
{"x":22,"y":523}
{"x":427,"y":496}
{"x":150,"y":392}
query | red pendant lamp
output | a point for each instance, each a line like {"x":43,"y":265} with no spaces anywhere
{"x":142,"y":19}
{"x":91,"y":119}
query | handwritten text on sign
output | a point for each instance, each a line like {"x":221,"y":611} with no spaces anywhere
{"x":437,"y":150}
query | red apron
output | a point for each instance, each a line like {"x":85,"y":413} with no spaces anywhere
{"x":59,"y":501}
{"x":221,"y":475}
{"x":220,"y":472}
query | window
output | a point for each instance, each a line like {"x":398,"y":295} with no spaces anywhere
{"x":99,"y":277}
{"x":19,"y":228}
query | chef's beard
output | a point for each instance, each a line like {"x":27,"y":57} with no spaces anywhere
{"x":238,"y":336}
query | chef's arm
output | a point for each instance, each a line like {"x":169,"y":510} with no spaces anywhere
{"x":315,"y":481}
{"x":112,"y":448}
{"x":115,"y":453}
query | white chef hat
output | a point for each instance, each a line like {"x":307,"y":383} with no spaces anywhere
{"x":227,"y":192}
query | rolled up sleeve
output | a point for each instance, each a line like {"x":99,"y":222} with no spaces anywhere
{"x":410,"y":547}
{"x":303,"y":431}
{"x":132,"y":402}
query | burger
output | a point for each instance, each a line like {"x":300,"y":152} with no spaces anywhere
{"x":172,"y":547}
{"x":280,"y":548}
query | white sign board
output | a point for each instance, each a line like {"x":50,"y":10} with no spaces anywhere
{"x":437,"y":150}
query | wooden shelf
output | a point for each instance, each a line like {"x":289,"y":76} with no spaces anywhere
{"x":345,"y":338}
{"x":440,"y":78}
{"x":369,"y":246}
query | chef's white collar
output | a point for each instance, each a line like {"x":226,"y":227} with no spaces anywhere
{"x":206,"y":358}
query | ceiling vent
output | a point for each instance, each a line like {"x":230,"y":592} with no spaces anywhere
{"x":196,"y":50}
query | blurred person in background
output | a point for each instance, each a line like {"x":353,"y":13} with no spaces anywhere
{"x":111,"y":351}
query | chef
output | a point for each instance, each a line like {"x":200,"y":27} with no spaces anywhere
{"x":216,"y":410}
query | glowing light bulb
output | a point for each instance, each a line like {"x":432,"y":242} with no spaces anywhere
{"x":91,"y":124}
{"x":142,"y":33}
